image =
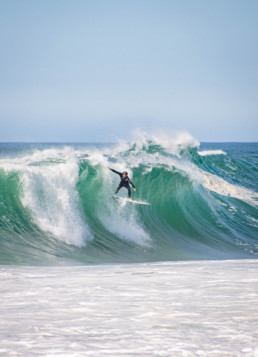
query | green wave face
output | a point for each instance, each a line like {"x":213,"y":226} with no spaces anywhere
{"x":56,"y":207}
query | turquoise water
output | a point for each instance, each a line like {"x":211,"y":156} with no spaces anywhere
{"x":56,"y":207}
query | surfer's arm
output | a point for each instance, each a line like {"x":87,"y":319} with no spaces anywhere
{"x":116,"y":172}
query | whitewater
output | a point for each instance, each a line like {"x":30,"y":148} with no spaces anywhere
{"x":85,"y":275}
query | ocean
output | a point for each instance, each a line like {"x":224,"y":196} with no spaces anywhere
{"x":83,"y":274}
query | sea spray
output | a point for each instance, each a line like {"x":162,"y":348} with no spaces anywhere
{"x":48,"y":180}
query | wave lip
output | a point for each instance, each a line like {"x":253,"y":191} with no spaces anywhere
{"x":172,"y":142}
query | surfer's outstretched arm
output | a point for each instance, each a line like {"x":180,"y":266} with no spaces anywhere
{"x":116,"y":172}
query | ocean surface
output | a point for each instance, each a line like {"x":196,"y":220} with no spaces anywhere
{"x":85,"y":275}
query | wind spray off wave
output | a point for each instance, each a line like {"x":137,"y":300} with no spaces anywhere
{"x":56,"y":206}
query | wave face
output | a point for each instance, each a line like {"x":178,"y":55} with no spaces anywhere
{"x":56,"y":207}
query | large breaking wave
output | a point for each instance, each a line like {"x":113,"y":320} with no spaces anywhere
{"x":56,"y":207}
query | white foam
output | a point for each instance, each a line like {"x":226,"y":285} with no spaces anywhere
{"x":211,"y":152}
{"x":131,"y":310}
{"x":125,"y":227}
{"x":48,"y":181}
{"x":222,"y":187}
{"x":172,"y":141}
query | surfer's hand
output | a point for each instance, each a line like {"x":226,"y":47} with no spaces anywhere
{"x":134,"y":189}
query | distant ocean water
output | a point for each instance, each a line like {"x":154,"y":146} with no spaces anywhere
{"x":84,"y":275}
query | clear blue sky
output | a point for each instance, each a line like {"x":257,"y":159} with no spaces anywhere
{"x":94,"y":70}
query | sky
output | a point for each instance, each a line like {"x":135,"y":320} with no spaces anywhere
{"x":97,"y":70}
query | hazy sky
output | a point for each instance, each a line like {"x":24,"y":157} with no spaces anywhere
{"x":95,"y":70}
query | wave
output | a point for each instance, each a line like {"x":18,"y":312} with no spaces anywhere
{"x":56,"y":207}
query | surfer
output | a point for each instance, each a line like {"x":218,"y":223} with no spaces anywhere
{"x":125,"y":181}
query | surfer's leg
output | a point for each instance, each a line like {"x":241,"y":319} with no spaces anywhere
{"x":118,"y":188}
{"x":129,"y":192}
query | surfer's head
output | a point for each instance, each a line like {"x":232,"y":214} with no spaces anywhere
{"x":125,"y":173}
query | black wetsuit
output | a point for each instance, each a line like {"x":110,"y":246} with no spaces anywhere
{"x":125,"y":181}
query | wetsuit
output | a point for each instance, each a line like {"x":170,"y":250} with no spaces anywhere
{"x":125,"y":181}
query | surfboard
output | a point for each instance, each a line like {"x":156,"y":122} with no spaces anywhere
{"x":125,"y":200}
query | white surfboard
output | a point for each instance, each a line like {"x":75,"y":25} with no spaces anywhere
{"x":125,"y":200}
